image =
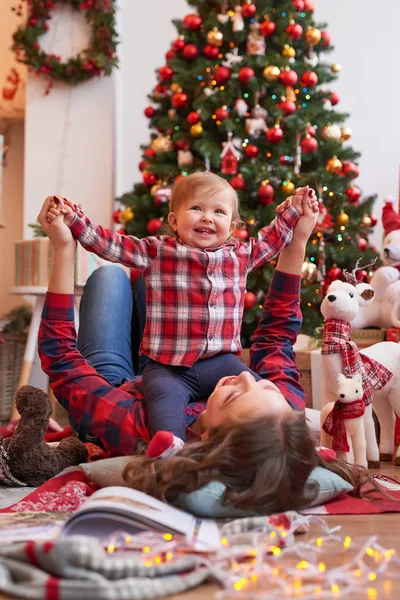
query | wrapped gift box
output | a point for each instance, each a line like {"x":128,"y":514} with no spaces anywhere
{"x":34,"y":259}
{"x":393,"y":335}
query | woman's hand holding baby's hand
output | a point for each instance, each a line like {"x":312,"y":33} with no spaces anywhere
{"x":308,"y":218}
{"x":61,"y":206}
{"x":54,"y":226}
{"x":297,"y":200}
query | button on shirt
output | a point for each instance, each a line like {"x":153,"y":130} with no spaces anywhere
{"x":195,"y":297}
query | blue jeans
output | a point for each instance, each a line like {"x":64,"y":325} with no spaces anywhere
{"x":112,"y":317}
{"x":169,"y":389}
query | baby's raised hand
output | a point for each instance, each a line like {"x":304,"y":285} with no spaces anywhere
{"x":297,"y":200}
{"x":61,"y":206}
{"x":308,"y":218}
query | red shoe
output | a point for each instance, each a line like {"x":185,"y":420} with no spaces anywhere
{"x":163,"y":445}
{"x":326,"y":453}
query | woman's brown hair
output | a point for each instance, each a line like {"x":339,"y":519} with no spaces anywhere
{"x":264,"y":464}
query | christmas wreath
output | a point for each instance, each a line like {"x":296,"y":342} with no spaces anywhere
{"x":97,"y":59}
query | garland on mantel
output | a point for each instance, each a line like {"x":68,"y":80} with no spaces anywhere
{"x":97,"y":59}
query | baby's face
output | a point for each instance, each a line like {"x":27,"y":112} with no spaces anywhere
{"x":204,"y":221}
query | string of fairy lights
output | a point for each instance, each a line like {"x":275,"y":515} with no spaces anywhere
{"x":266,"y":562}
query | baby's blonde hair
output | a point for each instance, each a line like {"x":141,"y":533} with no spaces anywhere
{"x":206,"y":183}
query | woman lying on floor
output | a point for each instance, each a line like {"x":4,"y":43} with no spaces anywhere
{"x":251,"y":434}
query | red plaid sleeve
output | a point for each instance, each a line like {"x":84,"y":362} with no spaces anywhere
{"x":116,"y":417}
{"x":273,"y":238}
{"x":271,"y":353}
{"x":110,"y":245}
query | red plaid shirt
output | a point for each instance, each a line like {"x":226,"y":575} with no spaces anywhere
{"x":118,"y":416}
{"x":336,"y":339}
{"x":195,"y":297}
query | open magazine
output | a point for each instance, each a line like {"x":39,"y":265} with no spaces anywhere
{"x":120,"y":508}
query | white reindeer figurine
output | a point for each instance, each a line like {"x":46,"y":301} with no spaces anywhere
{"x":342,"y":422}
{"x":379,"y":365}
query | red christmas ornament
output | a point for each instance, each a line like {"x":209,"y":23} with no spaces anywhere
{"x":149,"y":152}
{"x":166,"y":73}
{"x":143,"y":165}
{"x":284,"y":159}
{"x":249,"y":10}
{"x":309,"y":79}
{"x":311,"y":130}
{"x":222,"y":75}
{"x":334,"y":98}
{"x":287,"y":107}
{"x":246,"y":73}
{"x":179,"y":100}
{"x":159,"y":90}
{"x":190,"y":52}
{"x":192,"y":22}
{"x":294,"y":30}
{"x":274,"y":135}
{"x":288,"y":78}
{"x":249,"y":300}
{"x":265,"y":194}
{"x":149,"y":112}
{"x":362,"y":276}
{"x":241,"y":234}
{"x":211,"y":52}
{"x":221,"y":113}
{"x":334,"y":273}
{"x":182,"y":143}
{"x":117,"y":216}
{"x":353,"y":194}
{"x":309,"y":145}
{"x":149,"y":178}
{"x":349,"y":168}
{"x":298,"y":5}
{"x":267,"y":28}
{"x":326,"y":39}
{"x":374,"y":220}
{"x":251,"y":151}
{"x":193,"y":117}
{"x":309,"y":5}
{"x":178,"y":44}
{"x":154,"y":226}
{"x":238,"y":183}
{"x":169,"y":55}
{"x":362,"y":244}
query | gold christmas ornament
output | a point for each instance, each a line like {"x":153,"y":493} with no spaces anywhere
{"x":196,"y":130}
{"x":288,"y":51}
{"x":308,"y":272}
{"x":291,"y":94}
{"x":346,"y":133}
{"x":162,"y":144}
{"x":175,"y":88}
{"x":366,"y":221}
{"x":154,"y":188}
{"x":312,"y":36}
{"x":172,"y":113}
{"x":334,"y":165}
{"x":128,"y":215}
{"x":342,"y":219}
{"x":331,"y":132}
{"x":336,"y":68}
{"x":271,"y":73}
{"x":288,"y":187}
{"x":215,"y":37}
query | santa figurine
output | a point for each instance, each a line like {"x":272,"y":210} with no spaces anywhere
{"x":255,"y":41}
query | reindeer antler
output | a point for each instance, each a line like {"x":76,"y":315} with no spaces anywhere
{"x":350,"y":277}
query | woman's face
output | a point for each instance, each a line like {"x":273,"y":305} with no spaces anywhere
{"x":242,"y":396}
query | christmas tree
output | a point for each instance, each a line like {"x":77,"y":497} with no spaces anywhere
{"x":244,"y":94}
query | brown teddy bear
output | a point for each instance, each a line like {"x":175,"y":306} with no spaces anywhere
{"x":25,"y":457}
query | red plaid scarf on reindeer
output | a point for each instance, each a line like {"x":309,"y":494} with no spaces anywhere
{"x":336,"y":339}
